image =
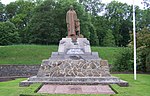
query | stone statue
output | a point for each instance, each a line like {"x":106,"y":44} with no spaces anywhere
{"x":73,"y":24}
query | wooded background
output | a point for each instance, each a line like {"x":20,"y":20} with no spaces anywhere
{"x":43,"y":22}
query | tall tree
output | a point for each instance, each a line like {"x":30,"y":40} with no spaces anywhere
{"x":48,"y":24}
{"x":94,"y":7}
{"x":119,"y":15}
{"x":42,"y":29}
{"x":101,"y":25}
{"x":19,"y":13}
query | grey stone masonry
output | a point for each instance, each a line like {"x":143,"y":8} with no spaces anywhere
{"x":74,"y":68}
{"x":74,"y":63}
{"x":18,"y":70}
{"x":82,"y":43}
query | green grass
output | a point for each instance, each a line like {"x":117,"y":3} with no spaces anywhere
{"x":25,"y":54}
{"x":108,"y":53}
{"x":11,"y":88}
{"x":34,"y":54}
{"x":140,"y":87}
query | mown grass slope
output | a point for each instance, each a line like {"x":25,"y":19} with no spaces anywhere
{"x":34,"y":54}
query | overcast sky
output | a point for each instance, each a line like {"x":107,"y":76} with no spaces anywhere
{"x":137,"y":2}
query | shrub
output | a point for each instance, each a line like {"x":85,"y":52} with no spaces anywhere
{"x":8,"y":33}
{"x":124,"y":61}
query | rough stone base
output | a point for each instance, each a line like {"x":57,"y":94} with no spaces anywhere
{"x":74,"y":68}
{"x":94,"y":71}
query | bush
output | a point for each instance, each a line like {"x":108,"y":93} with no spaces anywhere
{"x":124,"y":61}
{"x":8,"y":34}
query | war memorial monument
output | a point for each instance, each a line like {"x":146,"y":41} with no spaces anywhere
{"x":74,"y":63}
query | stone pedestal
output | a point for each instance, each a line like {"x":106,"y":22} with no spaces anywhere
{"x":81,"y":44}
{"x":74,"y":63}
{"x":74,"y":68}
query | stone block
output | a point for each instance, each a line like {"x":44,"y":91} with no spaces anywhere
{"x":73,"y":68}
{"x":66,"y":43}
{"x":104,"y":63}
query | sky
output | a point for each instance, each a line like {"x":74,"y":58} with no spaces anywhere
{"x":130,"y":2}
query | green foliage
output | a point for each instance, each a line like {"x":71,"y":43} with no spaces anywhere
{"x":1,"y":11}
{"x":92,"y":6}
{"x":11,"y":9}
{"x":143,"y":49}
{"x":101,"y":25}
{"x":8,"y":34}
{"x":124,"y":61}
{"x":109,"y":39}
{"x":19,"y":13}
{"x":42,"y":28}
{"x":120,"y":22}
{"x":19,"y":7}
{"x":43,"y":21}
{"x":48,"y":23}
{"x":1,"y":7}
{"x":93,"y":36}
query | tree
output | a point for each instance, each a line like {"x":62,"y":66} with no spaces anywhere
{"x":119,"y":15}
{"x":8,"y":34}
{"x":48,"y":24}
{"x":11,"y":10}
{"x":143,"y":49}
{"x":144,"y":21}
{"x":2,"y":15}
{"x":42,"y":29}
{"x":94,"y":7}
{"x":93,"y":36}
{"x":109,"y":40}
{"x":101,"y":25}
{"x":19,"y":13}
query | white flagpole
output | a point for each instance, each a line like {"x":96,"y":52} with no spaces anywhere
{"x":134,"y":37}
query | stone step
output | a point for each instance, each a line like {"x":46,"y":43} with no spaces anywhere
{"x":119,"y":82}
{"x":75,"y":79}
{"x":75,"y":89}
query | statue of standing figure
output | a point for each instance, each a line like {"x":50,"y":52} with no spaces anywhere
{"x":73,"y":23}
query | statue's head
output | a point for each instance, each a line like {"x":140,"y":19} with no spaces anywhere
{"x":71,"y":7}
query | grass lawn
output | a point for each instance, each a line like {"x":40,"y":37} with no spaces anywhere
{"x":25,"y":54}
{"x":34,"y":54}
{"x":140,"y":87}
